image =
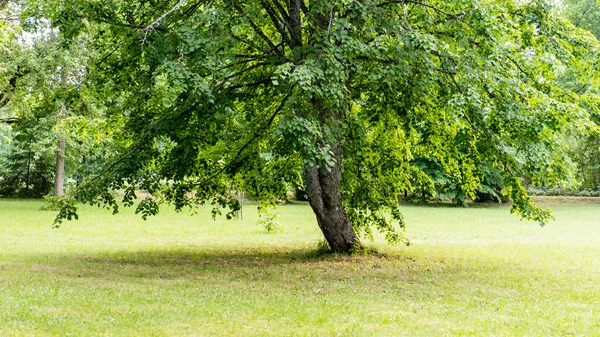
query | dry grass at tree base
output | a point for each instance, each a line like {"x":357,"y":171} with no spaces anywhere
{"x":474,"y":272}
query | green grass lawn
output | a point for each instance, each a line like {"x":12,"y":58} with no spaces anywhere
{"x":475,"y":272}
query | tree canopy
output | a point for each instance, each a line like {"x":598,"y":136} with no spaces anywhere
{"x":584,"y":14}
{"x":40,"y":81}
{"x":338,"y":96}
{"x":586,"y":151}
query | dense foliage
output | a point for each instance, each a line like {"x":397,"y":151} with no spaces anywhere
{"x":583,"y":14}
{"x":586,"y":150}
{"x":26,"y":167}
{"x":343,"y":98}
{"x":43,"y":101}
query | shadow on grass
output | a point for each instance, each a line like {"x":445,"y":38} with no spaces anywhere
{"x":251,"y":264}
{"x":243,"y":257}
{"x":238,"y":257}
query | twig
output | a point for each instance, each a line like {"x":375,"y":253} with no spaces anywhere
{"x":153,"y":25}
{"x":422,"y":4}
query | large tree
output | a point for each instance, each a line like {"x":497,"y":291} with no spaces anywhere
{"x":585,"y":14}
{"x":43,"y":97}
{"x":338,"y":96}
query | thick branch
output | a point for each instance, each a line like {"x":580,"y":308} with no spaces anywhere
{"x":295,"y":22}
{"x":277,"y":21}
{"x":256,"y":29}
{"x":284,"y":14}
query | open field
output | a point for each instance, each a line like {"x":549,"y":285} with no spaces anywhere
{"x":473,"y":272}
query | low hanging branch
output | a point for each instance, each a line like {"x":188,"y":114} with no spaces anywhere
{"x":255,"y":136}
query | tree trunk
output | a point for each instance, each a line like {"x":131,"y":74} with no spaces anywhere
{"x":59,"y":176}
{"x":27,"y":178}
{"x":323,"y":183}
{"x":325,"y":198}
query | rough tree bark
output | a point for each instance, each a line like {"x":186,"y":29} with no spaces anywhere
{"x":325,"y":198}
{"x":323,"y":188}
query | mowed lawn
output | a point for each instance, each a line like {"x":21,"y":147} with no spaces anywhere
{"x":469,"y":272}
